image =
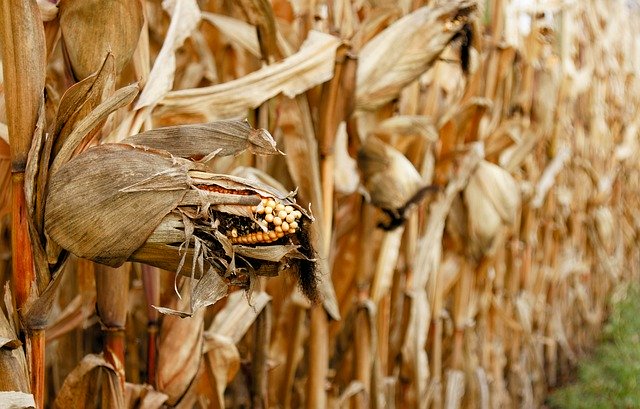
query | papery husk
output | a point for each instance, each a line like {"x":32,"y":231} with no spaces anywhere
{"x":14,"y":374}
{"x":179,"y":353}
{"x":143,"y":397}
{"x":220,"y":138}
{"x":492,"y":199}
{"x":406,"y":49}
{"x":393,"y":183}
{"x":117,"y":202}
{"x":92,"y":374}
{"x":91,"y":29}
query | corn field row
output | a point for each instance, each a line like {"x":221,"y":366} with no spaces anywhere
{"x":430,"y":203}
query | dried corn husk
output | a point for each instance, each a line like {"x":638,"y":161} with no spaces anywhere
{"x":385,"y":67}
{"x":91,"y":29}
{"x":13,"y":365}
{"x":179,"y":353}
{"x":91,"y":373}
{"x":492,"y":199}
{"x":117,"y":201}
{"x":392,"y":182}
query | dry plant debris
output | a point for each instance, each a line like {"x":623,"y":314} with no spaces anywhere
{"x":255,"y":148}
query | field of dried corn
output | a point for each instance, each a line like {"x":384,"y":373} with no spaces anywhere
{"x":465,"y":184}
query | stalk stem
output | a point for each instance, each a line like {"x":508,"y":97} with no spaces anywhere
{"x":114,"y":351}
{"x":22,"y":256}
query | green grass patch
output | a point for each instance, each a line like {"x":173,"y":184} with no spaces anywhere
{"x":611,"y":377}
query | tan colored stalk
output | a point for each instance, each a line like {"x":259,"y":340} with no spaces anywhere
{"x":318,"y":348}
{"x":260,"y":356}
{"x":151,"y":283}
{"x":112,"y":290}
{"x":23,"y":59}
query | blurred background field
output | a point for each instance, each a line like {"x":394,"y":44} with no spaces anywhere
{"x":472,"y":167}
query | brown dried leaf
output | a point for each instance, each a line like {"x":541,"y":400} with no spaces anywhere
{"x":90,"y":213}
{"x":143,"y":397}
{"x":223,"y":361}
{"x":310,"y":66}
{"x":385,"y":68}
{"x":392,"y":182}
{"x":223,"y":138}
{"x":235,"y":319}
{"x":84,"y":23}
{"x":76,"y":103}
{"x":92,"y":373}
{"x":179,"y":353}
{"x":260,"y":14}
{"x":237,"y":31}
{"x":185,"y":16}
{"x":88,"y":124}
{"x":13,"y":365}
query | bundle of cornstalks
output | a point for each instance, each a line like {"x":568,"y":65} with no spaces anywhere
{"x":312,"y":204}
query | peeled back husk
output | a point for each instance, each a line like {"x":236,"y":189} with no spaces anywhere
{"x":119,"y":202}
{"x":492,"y":199}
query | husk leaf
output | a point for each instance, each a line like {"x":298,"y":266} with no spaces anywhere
{"x":385,"y":68}
{"x":224,"y":138}
{"x":92,"y":22}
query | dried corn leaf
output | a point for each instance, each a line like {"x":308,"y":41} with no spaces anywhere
{"x":48,"y":10}
{"x":260,"y":14}
{"x":179,"y":353}
{"x":143,"y":397}
{"x":385,"y":68}
{"x":13,"y":365}
{"x":223,"y":138}
{"x":92,"y":373}
{"x":239,"y":32}
{"x":88,"y":124}
{"x":235,"y":319}
{"x":185,"y":16}
{"x":408,"y":126}
{"x":549,"y":175}
{"x":223,"y":358}
{"x":310,"y":66}
{"x":92,"y":22}
{"x":80,"y":99}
